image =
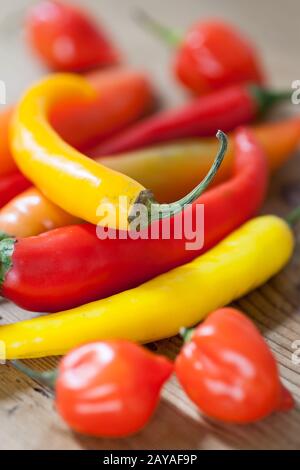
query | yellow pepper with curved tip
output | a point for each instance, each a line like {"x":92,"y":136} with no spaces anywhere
{"x":158,"y":308}
{"x":68,"y":178}
{"x":77,"y":184}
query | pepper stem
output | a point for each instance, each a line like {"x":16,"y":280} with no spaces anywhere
{"x":293,"y":216}
{"x":266,"y":98}
{"x":4,"y":235}
{"x":47,"y":378}
{"x":171,"y":37}
{"x":160,"y":211}
{"x":186,"y":334}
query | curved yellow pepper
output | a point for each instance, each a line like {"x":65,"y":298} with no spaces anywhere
{"x":68,"y":178}
{"x":82,"y":187}
{"x":157,"y":309}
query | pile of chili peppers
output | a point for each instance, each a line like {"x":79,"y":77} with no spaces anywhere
{"x":72,"y":143}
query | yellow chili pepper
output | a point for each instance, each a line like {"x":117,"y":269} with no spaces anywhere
{"x":157,"y":309}
{"x":68,"y":178}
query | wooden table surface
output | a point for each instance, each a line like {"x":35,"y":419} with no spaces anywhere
{"x":27,"y":415}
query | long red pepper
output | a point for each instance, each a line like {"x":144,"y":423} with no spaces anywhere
{"x":224,"y":109}
{"x":70,"y":266}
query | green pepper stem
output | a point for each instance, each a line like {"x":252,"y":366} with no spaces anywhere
{"x":186,"y":334}
{"x":4,"y":235}
{"x":293,"y":216}
{"x":160,"y":211}
{"x":171,"y":37}
{"x":266,"y":98}
{"x":47,"y":378}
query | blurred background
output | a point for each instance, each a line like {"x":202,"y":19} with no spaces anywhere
{"x":272,"y":24}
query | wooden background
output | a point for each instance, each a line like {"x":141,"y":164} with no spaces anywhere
{"x":27,"y":415}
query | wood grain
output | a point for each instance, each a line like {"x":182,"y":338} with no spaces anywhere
{"x":28,"y":417}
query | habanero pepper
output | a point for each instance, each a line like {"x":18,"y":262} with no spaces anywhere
{"x":212,"y":55}
{"x":53,"y":165}
{"x":223,"y":109}
{"x":120,"y":372}
{"x":70,"y":266}
{"x":66,"y":38}
{"x":228,"y":370}
{"x":122,"y":95}
{"x":158,"y":308}
{"x":185,"y":161}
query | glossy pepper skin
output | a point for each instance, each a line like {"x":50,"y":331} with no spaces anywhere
{"x":53,"y":166}
{"x":186,"y":161}
{"x":12,"y":185}
{"x":31,"y":214}
{"x":159,"y":308}
{"x":110,"y":388}
{"x":70,"y":266}
{"x":66,"y":39}
{"x":213,"y":55}
{"x":122,"y":95}
{"x":223,"y":109}
{"x":227,"y":369}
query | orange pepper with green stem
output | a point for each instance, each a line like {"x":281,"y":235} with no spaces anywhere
{"x":184,"y":161}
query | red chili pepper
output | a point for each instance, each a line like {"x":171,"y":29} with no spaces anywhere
{"x":11,"y":186}
{"x":70,"y":266}
{"x":224,"y":109}
{"x":107,"y":388}
{"x":228,"y":370}
{"x":212,"y":55}
{"x":67,"y":39}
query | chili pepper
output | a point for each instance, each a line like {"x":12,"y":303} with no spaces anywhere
{"x":11,"y":185}
{"x":212,"y":55}
{"x":66,"y":39}
{"x":188,"y":160}
{"x":122,"y":96}
{"x":71,"y":266}
{"x":31,"y":214}
{"x":228,"y":370}
{"x":106,"y":388}
{"x":52,"y":165}
{"x":224,"y":109}
{"x":158,"y":308}
{"x":185,"y":161}
{"x":7,"y":164}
